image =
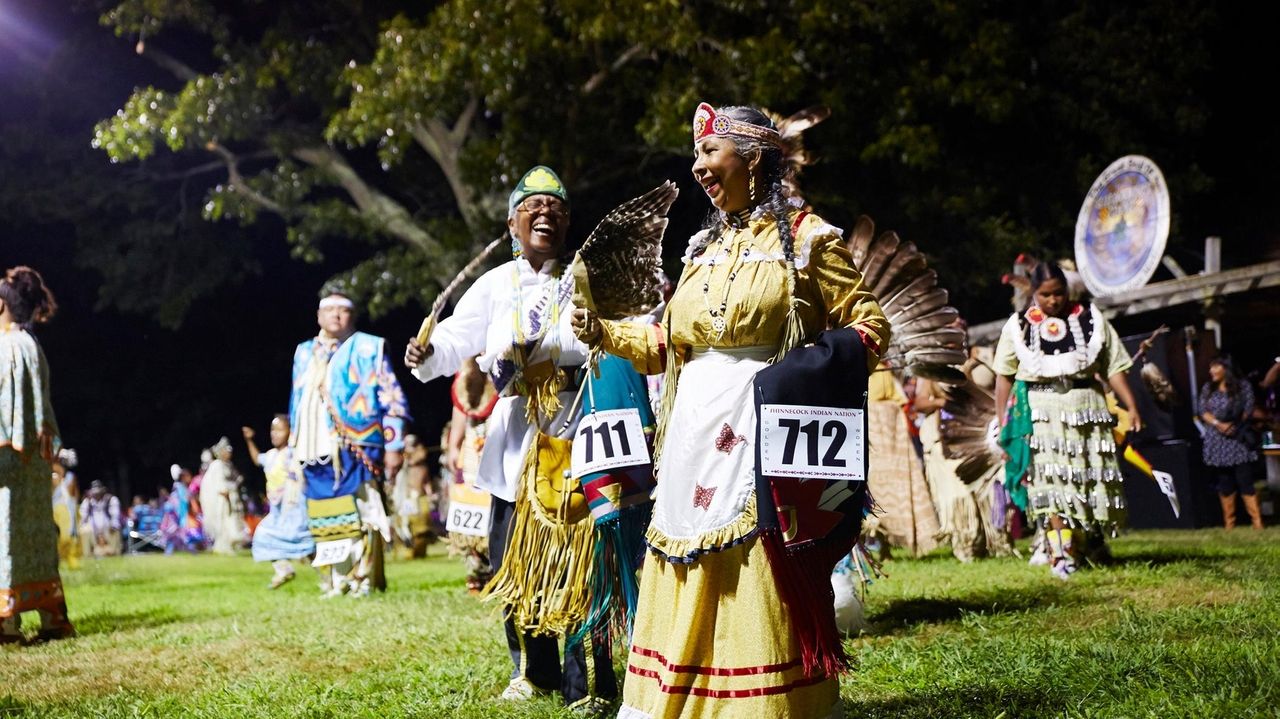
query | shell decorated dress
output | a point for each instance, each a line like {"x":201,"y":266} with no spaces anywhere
{"x":1074,"y":472}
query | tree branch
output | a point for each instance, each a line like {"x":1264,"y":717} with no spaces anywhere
{"x":206,"y":167}
{"x":444,"y":145}
{"x":180,"y":69}
{"x":391,"y":215}
{"x":236,"y":181}
{"x":596,"y":80}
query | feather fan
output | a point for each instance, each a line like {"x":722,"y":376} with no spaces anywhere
{"x":795,"y":156}
{"x":618,"y":271}
{"x":1161,"y":389}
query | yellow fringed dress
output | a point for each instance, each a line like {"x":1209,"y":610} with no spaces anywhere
{"x":712,"y":637}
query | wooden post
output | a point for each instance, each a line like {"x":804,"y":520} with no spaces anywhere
{"x":1212,"y":307}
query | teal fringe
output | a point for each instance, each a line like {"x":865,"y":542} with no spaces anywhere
{"x":615,"y":589}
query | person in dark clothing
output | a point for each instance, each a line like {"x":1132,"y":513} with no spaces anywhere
{"x":1226,"y":403}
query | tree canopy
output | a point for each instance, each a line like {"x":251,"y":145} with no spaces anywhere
{"x":973,"y":127}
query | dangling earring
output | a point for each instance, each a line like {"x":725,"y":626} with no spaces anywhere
{"x":515,"y":248}
{"x":751,"y":188}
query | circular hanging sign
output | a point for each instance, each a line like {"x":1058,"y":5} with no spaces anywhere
{"x":1123,"y":226}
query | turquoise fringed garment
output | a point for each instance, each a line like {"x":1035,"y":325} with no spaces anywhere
{"x":1014,"y":436}
{"x":620,"y":506}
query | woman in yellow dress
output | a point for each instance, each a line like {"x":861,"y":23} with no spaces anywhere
{"x":66,"y":508}
{"x":760,"y":278}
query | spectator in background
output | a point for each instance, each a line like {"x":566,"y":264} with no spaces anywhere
{"x":181,"y":526}
{"x":1226,"y":402}
{"x":100,"y":522}
{"x":220,"y":500}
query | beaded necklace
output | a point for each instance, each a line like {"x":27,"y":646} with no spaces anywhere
{"x":537,"y":316}
{"x":719,"y":322}
{"x":555,"y":293}
{"x":1045,"y":328}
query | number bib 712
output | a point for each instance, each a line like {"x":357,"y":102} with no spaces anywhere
{"x":609,"y":439}
{"x":812,"y":442}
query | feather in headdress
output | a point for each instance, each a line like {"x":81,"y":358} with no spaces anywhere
{"x":1019,"y":278}
{"x":1161,"y":389}
{"x":1075,"y":283}
{"x":795,"y":156}
{"x":618,"y":271}
{"x":68,"y":458}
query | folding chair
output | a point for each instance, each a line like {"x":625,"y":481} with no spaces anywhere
{"x":144,"y":530}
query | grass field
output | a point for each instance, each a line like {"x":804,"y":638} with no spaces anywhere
{"x":1183,"y":625}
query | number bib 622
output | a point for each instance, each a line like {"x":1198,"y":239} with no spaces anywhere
{"x":472,"y":519}
{"x":609,"y":439}
{"x":812,"y":442}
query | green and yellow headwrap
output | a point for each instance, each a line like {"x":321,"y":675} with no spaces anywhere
{"x":541,"y":180}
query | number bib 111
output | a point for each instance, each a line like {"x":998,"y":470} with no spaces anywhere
{"x":812,"y":442}
{"x":472,"y":519}
{"x":609,"y":439}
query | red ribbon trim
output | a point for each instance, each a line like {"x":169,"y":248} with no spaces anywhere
{"x":714,"y":671}
{"x":867,"y":341}
{"x":727,"y":693}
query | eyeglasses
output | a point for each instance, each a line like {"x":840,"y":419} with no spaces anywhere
{"x":534,"y":205}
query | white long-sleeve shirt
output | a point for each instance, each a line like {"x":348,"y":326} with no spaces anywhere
{"x":483,"y":324}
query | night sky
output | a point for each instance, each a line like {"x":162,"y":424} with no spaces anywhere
{"x":133,"y":397}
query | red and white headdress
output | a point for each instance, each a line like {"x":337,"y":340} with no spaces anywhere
{"x":707,"y":123}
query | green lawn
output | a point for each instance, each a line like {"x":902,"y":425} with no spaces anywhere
{"x":1183,"y":625}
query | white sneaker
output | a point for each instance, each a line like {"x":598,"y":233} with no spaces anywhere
{"x":280,"y":580}
{"x":520,"y":689}
{"x":1040,"y":558}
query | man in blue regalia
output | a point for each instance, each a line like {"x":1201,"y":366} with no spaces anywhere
{"x":347,"y":412}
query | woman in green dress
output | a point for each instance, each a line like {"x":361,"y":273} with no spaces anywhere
{"x":29,"y":578}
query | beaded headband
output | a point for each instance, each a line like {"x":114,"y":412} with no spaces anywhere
{"x":707,"y":123}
